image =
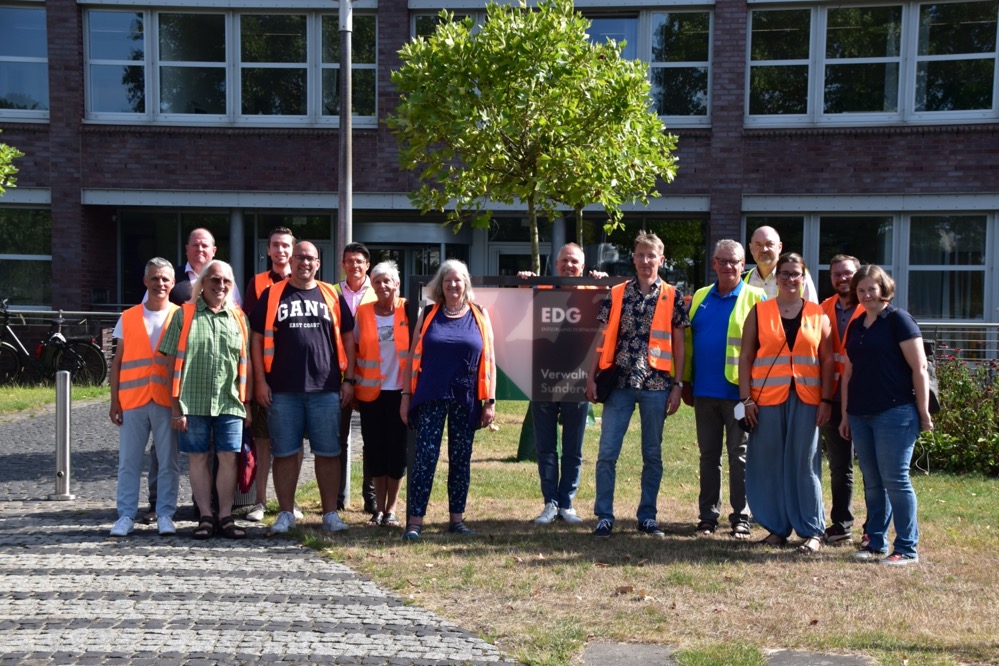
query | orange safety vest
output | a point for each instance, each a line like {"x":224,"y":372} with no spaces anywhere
{"x":368,"y":361}
{"x":274,"y":299}
{"x":839,"y":344}
{"x":145,"y":375}
{"x":776,"y":365}
{"x":660,"y":333}
{"x":487,"y":363}
{"x":261,"y":281}
{"x":185,"y":332}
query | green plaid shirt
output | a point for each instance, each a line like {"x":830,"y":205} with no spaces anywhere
{"x":210,"y":380}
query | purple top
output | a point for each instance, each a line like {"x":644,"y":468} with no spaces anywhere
{"x":449,"y":368}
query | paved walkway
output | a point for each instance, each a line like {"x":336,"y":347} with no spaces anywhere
{"x":69,"y":594}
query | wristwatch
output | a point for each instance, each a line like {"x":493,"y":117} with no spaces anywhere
{"x":490,"y":401}
{"x":678,"y":383}
{"x":350,"y":380}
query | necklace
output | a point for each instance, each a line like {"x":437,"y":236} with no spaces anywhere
{"x":453,"y":313}
{"x":788,"y":308}
{"x":384,"y":312}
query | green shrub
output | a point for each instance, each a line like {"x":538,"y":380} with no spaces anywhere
{"x":966,"y":431}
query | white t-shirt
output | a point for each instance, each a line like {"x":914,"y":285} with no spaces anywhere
{"x":389,"y":365}
{"x":154,"y":320}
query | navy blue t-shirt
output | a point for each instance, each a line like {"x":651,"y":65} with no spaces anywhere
{"x":305,"y":354}
{"x":881,"y":377}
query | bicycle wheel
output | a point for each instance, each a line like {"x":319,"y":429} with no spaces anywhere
{"x":10,"y":364}
{"x":85,"y":362}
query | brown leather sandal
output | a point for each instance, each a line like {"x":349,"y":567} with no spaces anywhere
{"x":205,"y":528}
{"x":230,"y":530}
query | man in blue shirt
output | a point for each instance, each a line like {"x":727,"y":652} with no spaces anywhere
{"x":714,"y":341}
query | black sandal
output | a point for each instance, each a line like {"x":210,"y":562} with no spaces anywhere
{"x":230,"y":530}
{"x":205,"y":528}
{"x":706,"y":527}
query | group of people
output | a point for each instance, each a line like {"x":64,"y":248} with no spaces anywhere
{"x":292,"y":364}
{"x":765,"y":367}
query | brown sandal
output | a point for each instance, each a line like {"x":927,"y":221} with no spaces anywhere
{"x":230,"y":530}
{"x":205,"y":528}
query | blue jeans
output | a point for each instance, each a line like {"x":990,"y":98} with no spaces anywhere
{"x":555,"y":488}
{"x":618,"y":409}
{"x":884,"y":444}
{"x":293,"y":415}
{"x":224,"y":432}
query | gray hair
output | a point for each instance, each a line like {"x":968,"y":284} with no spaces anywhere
{"x":389,"y":268}
{"x":733,"y":246}
{"x":156,"y":263}
{"x":436,"y":285}
{"x":198,"y":286}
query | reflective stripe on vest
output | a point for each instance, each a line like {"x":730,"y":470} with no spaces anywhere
{"x":487,"y":363}
{"x":660,"y":332}
{"x":838,"y":343}
{"x":274,"y":299}
{"x":144,"y":375}
{"x":367,"y":362}
{"x":776,"y":365}
{"x":185,"y":332}
{"x":745,"y":300}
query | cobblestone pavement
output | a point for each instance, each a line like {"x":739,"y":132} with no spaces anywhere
{"x":69,"y":594}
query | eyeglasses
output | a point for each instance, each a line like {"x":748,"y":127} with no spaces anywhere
{"x":728,"y":263}
{"x":306,"y":258}
{"x":215,"y":279}
{"x":354,"y":262}
{"x":784,"y":275}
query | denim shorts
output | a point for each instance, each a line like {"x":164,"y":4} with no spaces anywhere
{"x":225,"y":429}
{"x":292,"y":415}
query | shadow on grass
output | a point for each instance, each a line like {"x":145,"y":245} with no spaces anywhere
{"x":562,"y":544}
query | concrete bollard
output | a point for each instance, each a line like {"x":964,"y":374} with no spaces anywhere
{"x":63,"y":416}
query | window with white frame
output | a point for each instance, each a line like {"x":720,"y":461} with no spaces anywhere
{"x":947,"y":266}
{"x":909,"y":62}
{"x":26,"y":255}
{"x":24,"y":76}
{"x":675,"y":44}
{"x":226,"y":67}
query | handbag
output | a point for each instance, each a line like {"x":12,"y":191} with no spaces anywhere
{"x":606,"y":380}
{"x":247,"y":470}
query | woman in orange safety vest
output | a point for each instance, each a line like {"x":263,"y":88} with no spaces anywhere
{"x":785,"y":383}
{"x":381,"y":329}
{"x":451,"y":376}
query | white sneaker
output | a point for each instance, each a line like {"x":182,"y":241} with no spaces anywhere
{"x":570,"y":516}
{"x":256,"y":513}
{"x":547,"y":515}
{"x":165,"y":526}
{"x":297,"y":510}
{"x":123,"y":526}
{"x":332,"y":523}
{"x":285,"y":521}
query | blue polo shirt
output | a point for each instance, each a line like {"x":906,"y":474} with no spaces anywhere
{"x":710,"y":335}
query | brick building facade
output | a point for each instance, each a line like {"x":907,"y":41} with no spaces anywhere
{"x":120,"y":176}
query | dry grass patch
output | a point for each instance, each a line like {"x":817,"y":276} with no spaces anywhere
{"x":541,"y":592}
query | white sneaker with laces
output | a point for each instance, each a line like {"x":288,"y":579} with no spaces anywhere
{"x":332,"y":522}
{"x":123,"y":526}
{"x":547,"y":515}
{"x":570,"y":516}
{"x":165,"y":526}
{"x":256,"y":512}
{"x":297,"y":510}
{"x":285,"y":521}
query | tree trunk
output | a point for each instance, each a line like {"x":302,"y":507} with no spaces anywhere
{"x":532,"y":217}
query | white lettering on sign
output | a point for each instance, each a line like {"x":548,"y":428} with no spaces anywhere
{"x":559,"y":315}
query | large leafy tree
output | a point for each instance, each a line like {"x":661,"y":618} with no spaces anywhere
{"x":526,"y":108}
{"x":7,"y":169}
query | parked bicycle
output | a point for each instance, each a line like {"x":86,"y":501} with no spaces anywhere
{"x":81,"y":356}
